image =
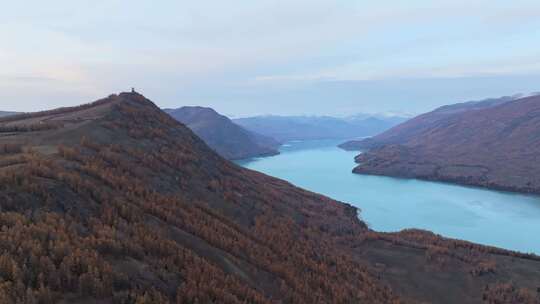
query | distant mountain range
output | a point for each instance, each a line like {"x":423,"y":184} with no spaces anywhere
{"x":5,"y":113}
{"x":285,"y":128}
{"x":493,"y":143}
{"x":221,"y":134}
{"x":116,"y":202}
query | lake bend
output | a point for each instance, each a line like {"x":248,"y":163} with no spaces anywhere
{"x":502,"y":219}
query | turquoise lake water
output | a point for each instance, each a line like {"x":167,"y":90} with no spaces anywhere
{"x":501,"y":219}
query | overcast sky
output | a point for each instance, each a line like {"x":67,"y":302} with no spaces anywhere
{"x":269,"y":57}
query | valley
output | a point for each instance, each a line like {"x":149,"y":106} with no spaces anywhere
{"x":501,"y":219}
{"x":116,"y":202}
{"x":270,"y":152}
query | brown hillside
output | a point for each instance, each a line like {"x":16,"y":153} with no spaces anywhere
{"x":116,"y":202}
{"x":496,"y":147}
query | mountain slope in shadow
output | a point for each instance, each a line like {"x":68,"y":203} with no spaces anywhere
{"x":224,"y":136}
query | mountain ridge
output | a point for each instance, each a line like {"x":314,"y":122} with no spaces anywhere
{"x":493,"y":147}
{"x":117,"y":202}
{"x":423,"y":122}
{"x":286,"y":128}
{"x":223,"y":135}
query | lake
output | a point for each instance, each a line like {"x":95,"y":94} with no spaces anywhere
{"x":501,"y":219}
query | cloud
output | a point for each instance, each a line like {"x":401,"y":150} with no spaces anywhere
{"x":178,"y":47}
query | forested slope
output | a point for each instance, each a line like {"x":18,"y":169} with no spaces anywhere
{"x":116,"y":202}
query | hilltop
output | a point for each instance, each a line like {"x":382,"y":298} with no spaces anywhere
{"x":116,"y":202}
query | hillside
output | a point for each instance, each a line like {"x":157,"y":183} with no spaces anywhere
{"x":286,"y":128}
{"x":221,"y":134}
{"x":116,"y":202}
{"x":421,"y":124}
{"x":495,"y":147}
